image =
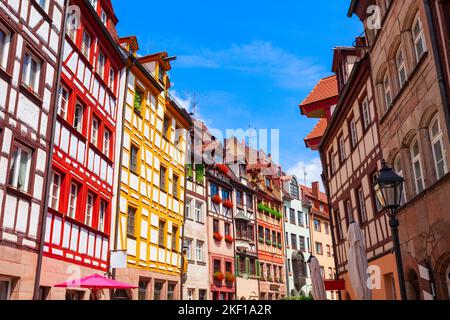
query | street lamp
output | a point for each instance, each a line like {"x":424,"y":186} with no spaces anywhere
{"x":389,"y":190}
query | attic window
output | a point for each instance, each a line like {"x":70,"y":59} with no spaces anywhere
{"x":161,"y":74}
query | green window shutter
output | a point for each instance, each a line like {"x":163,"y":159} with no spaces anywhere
{"x":237,"y":266}
{"x":258,"y":269}
{"x":247,"y":266}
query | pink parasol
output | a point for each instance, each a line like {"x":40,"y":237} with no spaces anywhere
{"x":95,"y":283}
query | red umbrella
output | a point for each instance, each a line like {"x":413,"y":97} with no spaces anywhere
{"x":95,"y":283}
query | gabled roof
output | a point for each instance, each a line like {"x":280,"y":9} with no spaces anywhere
{"x":309,"y":193}
{"x":325,"y":89}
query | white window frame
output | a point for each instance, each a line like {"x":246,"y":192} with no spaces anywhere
{"x":353,"y":132}
{"x":188,"y":246}
{"x":79,"y":125}
{"x":31,"y":81}
{"x":401,"y":66}
{"x":418,"y":38}
{"x":101,"y":65}
{"x":102,"y":216}
{"x":106,"y":142}
{"x":199,"y":251}
{"x":63,"y":103}
{"x":52,"y":196}
{"x":342,"y":153}
{"x":416,"y":158}
{"x":398,"y":168}
{"x":17,"y":165}
{"x":112,"y":79}
{"x":437,"y":140}
{"x":362,"y":205}
{"x":188,"y":208}
{"x":198,"y":212}
{"x":73,"y":200}
{"x":86,"y":47}
{"x":367,"y":117}
{"x":90,"y":202}
{"x":5,"y":46}
{"x":104,"y":17}
{"x":94,"y":131}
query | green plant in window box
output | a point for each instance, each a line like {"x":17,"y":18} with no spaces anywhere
{"x":268,"y":242}
{"x":261,"y":240}
{"x":138,"y":102}
{"x":200,"y":173}
{"x":190,"y":171}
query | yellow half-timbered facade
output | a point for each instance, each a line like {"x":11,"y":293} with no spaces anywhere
{"x":152,"y":179}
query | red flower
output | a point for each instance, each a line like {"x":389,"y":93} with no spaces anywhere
{"x":229,"y":277}
{"x":228,"y":204}
{"x":229,"y":239}
{"x":222,"y":168}
{"x":218,"y":276}
{"x":217,"y":199}
{"x":217,"y":236}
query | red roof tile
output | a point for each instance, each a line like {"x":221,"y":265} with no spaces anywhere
{"x":319,"y":130}
{"x":308,"y":192}
{"x":326,"y":88}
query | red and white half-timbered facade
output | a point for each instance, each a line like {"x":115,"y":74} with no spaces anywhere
{"x":79,"y":220}
{"x":29,"y":59}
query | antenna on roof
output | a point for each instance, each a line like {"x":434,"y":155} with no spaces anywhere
{"x":194,"y":104}
{"x":304,"y":175}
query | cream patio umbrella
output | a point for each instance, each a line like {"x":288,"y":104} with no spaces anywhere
{"x":318,"y":284}
{"x":357,"y":262}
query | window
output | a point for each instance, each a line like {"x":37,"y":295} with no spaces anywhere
{"x":328,"y":251}
{"x":31,"y":72}
{"x":19,"y":171}
{"x":399,"y":170}
{"x":73,"y":200}
{"x":302,"y":244}
{"x":361,"y":206}
{"x":138,"y":100}
{"x":86,"y":45}
{"x":106,"y":142}
{"x":134,"y":158}
{"x":102,"y":216}
{"x":437,"y":145}
{"x":78,"y":118}
{"x":161,"y":236}
{"x":161,"y":74}
{"x":268,"y":182}
{"x":104,"y":18}
{"x":225,"y":195}
{"x":239,"y":198}
{"x":367,"y":118}
{"x":419,"y":38}
{"x":342,"y":155}
{"x":175,"y":238}
{"x":166,"y":127}
{"x":349,"y":212}
{"x":89,"y":210}
{"x":5,"y":40}
{"x":353,"y":132}
{"x":163,"y":178}
{"x":319,"y":248}
{"x":301,"y":221}
{"x":188,"y":208}
{"x":94,"y":4}
{"x":214,"y":190}
{"x":202,"y":295}
{"x":401,"y":67}
{"x":337,"y":219}
{"x":55,"y":191}
{"x":215,"y":226}
{"x":199,"y":212}
{"x":292,"y":216}
{"x":332,"y":163}
{"x":199,"y":251}
{"x":112,"y":79}
{"x":175,"y":183}
{"x":327,"y":228}
{"x":378,"y":206}
{"x":157,"y":290}
{"x":227,"y":229}
{"x":387,"y":91}
{"x":294,"y":241}
{"x":417,"y":166}
{"x":261,"y":233}
{"x":217,"y":265}
{"x":131,"y":222}
{"x":228,"y":267}
{"x":294,"y":189}
{"x":142,"y":291}
{"x":4,"y":289}
{"x":94,"y":131}
{"x":171,"y":291}
{"x":317,"y":226}
{"x":101,"y":62}
{"x":188,"y":246}
{"x":63,"y":101}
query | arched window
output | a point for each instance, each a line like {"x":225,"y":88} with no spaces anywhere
{"x":401,"y":67}
{"x":437,"y":144}
{"x":399,"y":170}
{"x":78,"y":118}
{"x":418,"y":37}
{"x":417,"y":166}
{"x":387,"y":91}
{"x":294,"y":189}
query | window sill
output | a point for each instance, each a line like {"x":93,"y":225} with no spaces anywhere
{"x":36,"y":97}
{"x":20,"y":194}
{"x":101,"y":154}
{"x":5,"y":74}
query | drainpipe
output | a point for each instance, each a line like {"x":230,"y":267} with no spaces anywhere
{"x":44,"y":209}
{"x":286,"y":260}
{"x":116,"y":227}
{"x":330,"y":209}
{"x":438,"y":63}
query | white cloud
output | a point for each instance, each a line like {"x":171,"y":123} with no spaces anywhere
{"x":259,"y":58}
{"x":313,"y":169}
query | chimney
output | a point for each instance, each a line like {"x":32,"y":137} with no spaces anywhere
{"x":315,"y":189}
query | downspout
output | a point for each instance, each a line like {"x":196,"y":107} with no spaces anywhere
{"x":438,"y":63}
{"x":116,"y":227}
{"x":331,"y":210}
{"x":44,"y":209}
{"x":286,"y":260}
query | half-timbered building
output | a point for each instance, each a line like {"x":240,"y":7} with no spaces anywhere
{"x":79,"y":220}
{"x":30,"y":45}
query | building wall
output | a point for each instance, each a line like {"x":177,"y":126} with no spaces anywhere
{"x":26,"y":116}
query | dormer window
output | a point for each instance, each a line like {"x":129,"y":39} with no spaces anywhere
{"x":161,"y":74}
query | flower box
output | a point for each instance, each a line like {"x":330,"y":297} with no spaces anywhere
{"x":229,"y":239}
{"x":268,"y":242}
{"x":228,"y":204}
{"x":218,"y":276}
{"x":223,"y":168}
{"x":280,"y":246}
{"x":217,"y":236}
{"x":275,"y":244}
{"x":261,"y":240}
{"x":229,"y":277}
{"x":216,"y":199}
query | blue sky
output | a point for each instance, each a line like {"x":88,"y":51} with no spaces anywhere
{"x":250,"y":63}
